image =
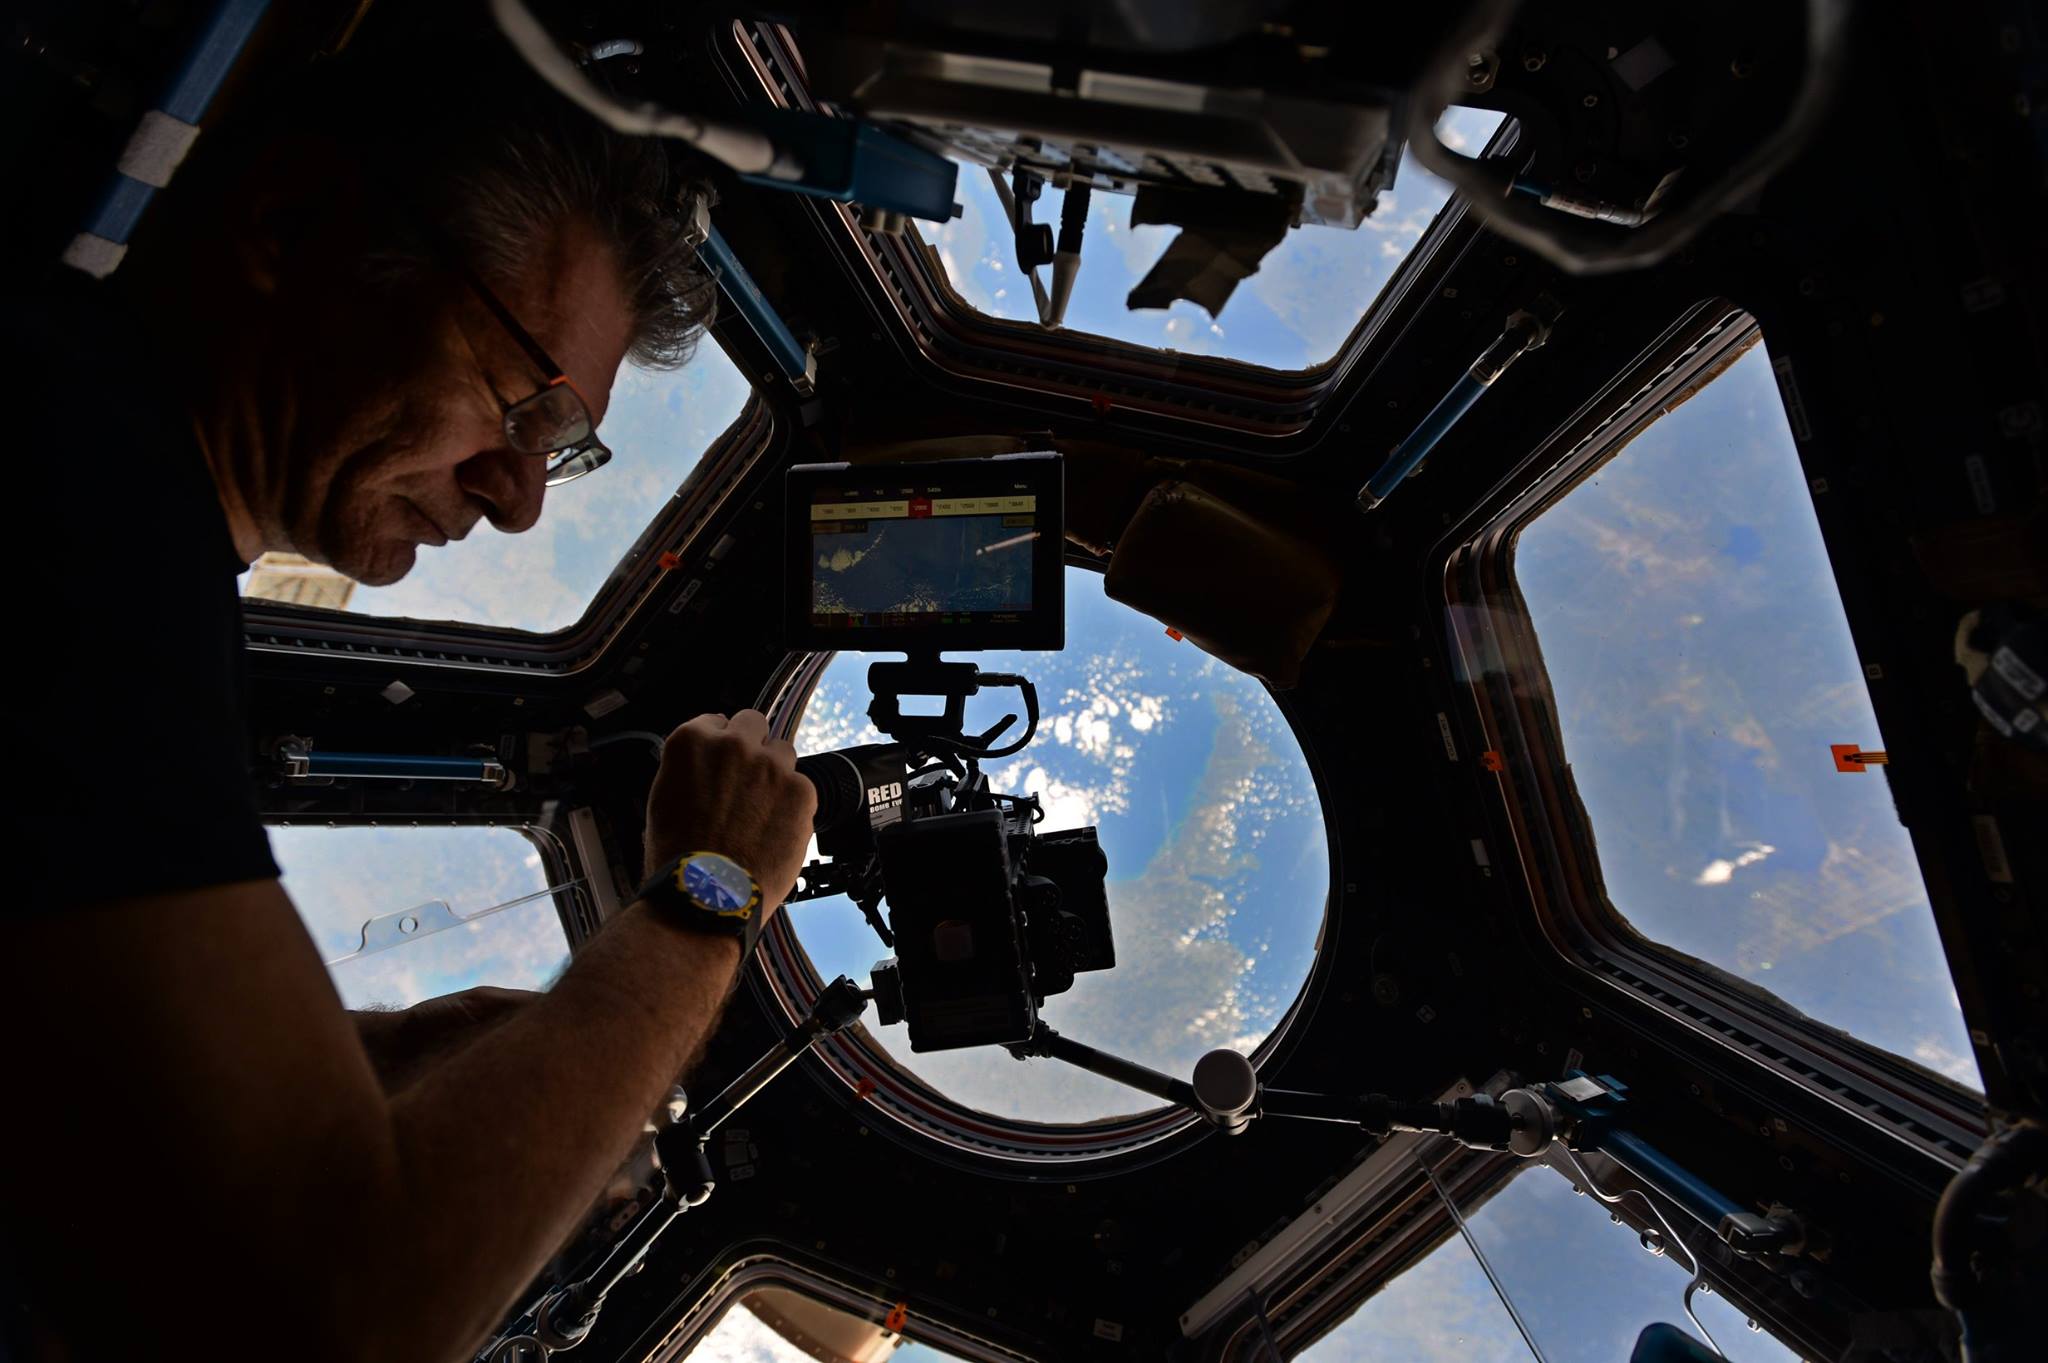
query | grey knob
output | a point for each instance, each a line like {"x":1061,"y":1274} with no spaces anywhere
{"x":1226,"y":1087}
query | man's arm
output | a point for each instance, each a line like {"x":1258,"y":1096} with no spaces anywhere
{"x":403,"y":1042}
{"x":210,"y":1144}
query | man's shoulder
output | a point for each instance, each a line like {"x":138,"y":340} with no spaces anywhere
{"x":104,"y":449}
{"x":126,"y":585}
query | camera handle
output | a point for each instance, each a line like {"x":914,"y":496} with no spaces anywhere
{"x":564,"y":1317}
{"x":923,"y":674}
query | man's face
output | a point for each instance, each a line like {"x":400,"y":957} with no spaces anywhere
{"x":391,"y":431}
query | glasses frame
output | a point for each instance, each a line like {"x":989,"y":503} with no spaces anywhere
{"x":569,"y":462}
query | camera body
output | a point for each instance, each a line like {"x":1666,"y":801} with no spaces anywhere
{"x":989,"y":916}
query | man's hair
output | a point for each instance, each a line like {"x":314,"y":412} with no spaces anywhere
{"x":501,"y":184}
{"x":459,"y":131}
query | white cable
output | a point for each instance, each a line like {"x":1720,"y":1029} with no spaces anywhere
{"x":1584,"y":250}
{"x":743,"y":149}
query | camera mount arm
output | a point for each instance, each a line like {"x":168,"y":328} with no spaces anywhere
{"x":1579,"y":1112}
{"x":1047,"y":1044}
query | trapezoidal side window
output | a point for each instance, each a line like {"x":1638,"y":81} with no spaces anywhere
{"x":1681,"y":669}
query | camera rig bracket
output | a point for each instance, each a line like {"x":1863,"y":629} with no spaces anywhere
{"x":946,"y":732}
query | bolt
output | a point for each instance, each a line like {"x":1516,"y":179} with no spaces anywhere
{"x":1591,"y":101}
{"x":1585,"y":1012}
{"x":1533,"y":60}
{"x":1584,"y":171}
{"x":1679,"y":141}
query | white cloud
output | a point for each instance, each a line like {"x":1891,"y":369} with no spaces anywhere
{"x":1942,"y":1058}
{"x":1721,"y":870}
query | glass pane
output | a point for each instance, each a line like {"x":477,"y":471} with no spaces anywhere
{"x":1214,"y":833}
{"x":658,"y":426}
{"x":1585,"y":1286}
{"x":340,"y":878}
{"x":1701,"y":666}
{"x":1440,"y":1310}
{"x":1296,"y":312}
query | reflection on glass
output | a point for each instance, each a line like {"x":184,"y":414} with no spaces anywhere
{"x":1440,"y":1310}
{"x":658,"y":426}
{"x":774,"y":1325}
{"x":1701,"y":666}
{"x":1217,"y":866}
{"x":1584,"y":1286}
{"x":1308,"y":294}
{"x":340,"y":878}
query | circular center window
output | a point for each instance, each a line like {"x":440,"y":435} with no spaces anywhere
{"x":1218,"y":868}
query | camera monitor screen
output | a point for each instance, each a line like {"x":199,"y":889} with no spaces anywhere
{"x":953,"y":554}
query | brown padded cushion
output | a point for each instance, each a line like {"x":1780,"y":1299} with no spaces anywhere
{"x":1242,"y":588}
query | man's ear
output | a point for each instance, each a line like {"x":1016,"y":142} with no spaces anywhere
{"x":301,"y":199}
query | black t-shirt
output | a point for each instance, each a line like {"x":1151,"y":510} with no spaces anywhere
{"x":128,"y":737}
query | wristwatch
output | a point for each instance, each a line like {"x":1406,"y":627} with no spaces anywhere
{"x":707,"y":892}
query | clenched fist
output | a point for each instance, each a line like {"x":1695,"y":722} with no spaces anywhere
{"x":725,"y":786}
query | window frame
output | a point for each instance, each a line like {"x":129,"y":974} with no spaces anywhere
{"x":1400,"y":1229}
{"x":730,"y":1284}
{"x":1489,"y":638}
{"x":272,"y":627}
{"x":908,"y":286}
{"x":787,"y":984}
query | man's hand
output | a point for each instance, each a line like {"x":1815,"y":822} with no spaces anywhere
{"x":402,"y":1044}
{"x":725,"y":786}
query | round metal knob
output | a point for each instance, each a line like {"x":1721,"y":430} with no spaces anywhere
{"x":1227,"y":1087}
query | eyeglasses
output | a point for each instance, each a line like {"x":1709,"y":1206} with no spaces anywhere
{"x":554,"y":422}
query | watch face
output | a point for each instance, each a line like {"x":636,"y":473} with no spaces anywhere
{"x":718,"y":884}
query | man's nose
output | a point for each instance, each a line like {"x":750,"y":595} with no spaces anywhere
{"x":509,"y":485}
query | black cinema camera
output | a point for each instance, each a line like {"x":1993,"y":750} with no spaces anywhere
{"x":988,"y":917}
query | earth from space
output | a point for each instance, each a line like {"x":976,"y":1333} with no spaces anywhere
{"x":1218,"y":866}
{"x":945,"y":563}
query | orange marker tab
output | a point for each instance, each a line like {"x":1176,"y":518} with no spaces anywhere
{"x":864,"y":1088}
{"x":670,"y":559}
{"x":1492,"y":760}
{"x":1851,"y":757}
{"x":898,"y":1317}
{"x":1174,"y":634}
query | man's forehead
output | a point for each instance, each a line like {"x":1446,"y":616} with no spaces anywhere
{"x":576,"y":307}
